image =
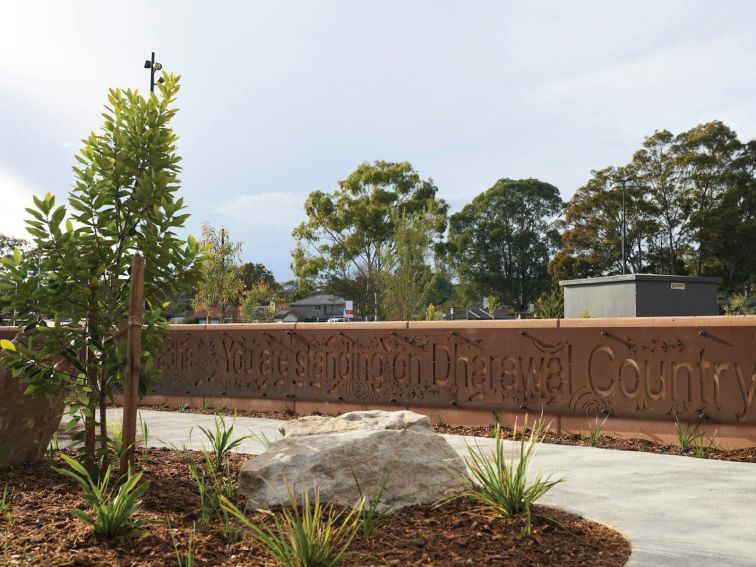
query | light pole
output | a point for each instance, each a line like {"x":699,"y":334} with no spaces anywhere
{"x":624,"y":183}
{"x":153,"y":66}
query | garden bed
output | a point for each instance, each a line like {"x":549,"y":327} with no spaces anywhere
{"x":40,"y":529}
{"x":605,"y":441}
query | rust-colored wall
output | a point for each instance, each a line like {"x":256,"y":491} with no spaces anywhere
{"x":650,"y":368}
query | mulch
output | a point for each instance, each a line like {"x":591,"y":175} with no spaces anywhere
{"x":41,"y":531}
{"x":747,"y":455}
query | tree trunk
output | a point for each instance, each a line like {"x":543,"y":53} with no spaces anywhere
{"x":89,"y":417}
{"x":103,"y":420}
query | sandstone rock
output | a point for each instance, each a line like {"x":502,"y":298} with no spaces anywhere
{"x":26,"y":423}
{"x":357,"y":420}
{"x":327,"y":453}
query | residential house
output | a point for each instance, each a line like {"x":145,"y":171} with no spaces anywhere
{"x":319,"y":307}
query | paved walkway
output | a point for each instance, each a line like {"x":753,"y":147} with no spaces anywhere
{"x":675,"y":510}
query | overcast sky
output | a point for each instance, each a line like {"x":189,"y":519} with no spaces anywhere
{"x":282,"y":98}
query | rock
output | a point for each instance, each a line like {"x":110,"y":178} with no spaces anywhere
{"x":357,"y":420}
{"x":26,"y":423}
{"x":327,"y":453}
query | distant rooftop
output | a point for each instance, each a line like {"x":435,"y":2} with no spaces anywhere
{"x":319,"y":300}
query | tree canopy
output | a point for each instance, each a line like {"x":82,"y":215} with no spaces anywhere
{"x":347,"y":234}
{"x":500,"y":244}
{"x":690,"y":209}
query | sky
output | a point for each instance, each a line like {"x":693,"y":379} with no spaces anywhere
{"x":282,"y":98}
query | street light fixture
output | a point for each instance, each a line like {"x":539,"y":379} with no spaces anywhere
{"x":153,"y":66}
{"x":624,"y":183}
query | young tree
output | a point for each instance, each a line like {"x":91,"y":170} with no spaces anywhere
{"x":220,"y":284}
{"x":259,"y":302}
{"x":500,"y":244}
{"x":349,"y":232}
{"x":408,"y":276}
{"x":72,"y":296}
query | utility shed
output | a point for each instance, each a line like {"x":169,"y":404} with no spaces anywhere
{"x":641,"y":295}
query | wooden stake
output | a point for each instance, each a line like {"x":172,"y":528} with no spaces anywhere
{"x":133,"y":361}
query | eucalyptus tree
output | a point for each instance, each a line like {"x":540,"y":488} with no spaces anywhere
{"x":592,"y":238}
{"x":71,"y":298}
{"x":347,"y":234}
{"x":707,"y":156}
{"x":500,"y":244}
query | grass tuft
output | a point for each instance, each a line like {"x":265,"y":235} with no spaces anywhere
{"x":371,"y":517}
{"x":596,"y":430}
{"x":310,"y":536}
{"x":221,"y":441}
{"x":113,"y":510}
{"x":500,"y":483}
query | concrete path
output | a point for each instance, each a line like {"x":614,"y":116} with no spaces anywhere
{"x":675,"y":510}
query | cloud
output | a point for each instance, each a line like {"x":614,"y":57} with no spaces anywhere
{"x":275,"y":210}
{"x":15,"y":196}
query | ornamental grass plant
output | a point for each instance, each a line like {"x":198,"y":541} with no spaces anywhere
{"x":501,"y":483}
{"x":113,"y":509}
{"x":312,"y":535}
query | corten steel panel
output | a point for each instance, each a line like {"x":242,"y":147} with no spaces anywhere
{"x":671,"y":367}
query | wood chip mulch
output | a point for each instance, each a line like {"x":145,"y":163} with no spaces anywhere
{"x":747,"y":455}
{"x":40,"y":530}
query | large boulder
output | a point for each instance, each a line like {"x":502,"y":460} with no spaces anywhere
{"x":26,"y":423}
{"x":399,"y":449}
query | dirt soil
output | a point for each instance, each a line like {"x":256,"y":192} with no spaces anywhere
{"x":39,"y":529}
{"x":747,"y":455}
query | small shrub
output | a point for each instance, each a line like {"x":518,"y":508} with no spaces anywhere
{"x":502,"y":485}
{"x":113,"y":510}
{"x":739,"y":305}
{"x":433,"y":313}
{"x":585,"y":314}
{"x":313,"y":536}
{"x":550,"y":305}
{"x":287,"y":411}
{"x":221,"y":441}
{"x":183,"y":407}
{"x":596,"y":430}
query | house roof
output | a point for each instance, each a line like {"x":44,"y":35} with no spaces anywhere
{"x":319,"y":300}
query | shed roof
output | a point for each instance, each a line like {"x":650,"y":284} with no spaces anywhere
{"x":640,"y":277}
